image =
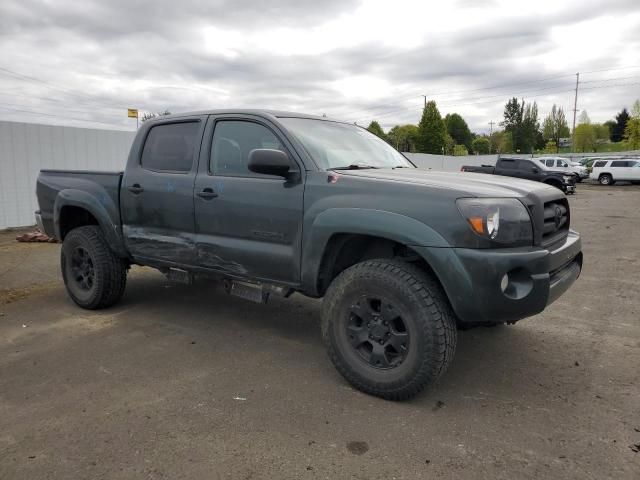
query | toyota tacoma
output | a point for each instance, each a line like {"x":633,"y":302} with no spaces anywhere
{"x":272,"y":203}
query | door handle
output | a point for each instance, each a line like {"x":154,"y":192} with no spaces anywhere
{"x":207,"y":193}
{"x":135,"y":189}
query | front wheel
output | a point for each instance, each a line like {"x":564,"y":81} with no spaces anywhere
{"x":388,"y":328}
{"x":94,"y":276}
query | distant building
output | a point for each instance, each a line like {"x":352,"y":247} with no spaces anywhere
{"x":564,"y":142}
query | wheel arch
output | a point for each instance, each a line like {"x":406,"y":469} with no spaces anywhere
{"x":343,"y":237}
{"x":75,"y":208}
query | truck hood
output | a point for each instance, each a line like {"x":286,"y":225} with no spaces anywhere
{"x":468,"y":184}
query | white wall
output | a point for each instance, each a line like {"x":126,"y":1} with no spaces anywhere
{"x":449,"y":163}
{"x":25,"y":148}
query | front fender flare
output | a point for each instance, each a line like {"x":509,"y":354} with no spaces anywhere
{"x":377,"y":223}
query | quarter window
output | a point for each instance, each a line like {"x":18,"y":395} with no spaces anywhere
{"x":170,"y":147}
{"x":233,"y":140}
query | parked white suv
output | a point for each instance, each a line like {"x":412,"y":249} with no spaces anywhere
{"x":608,"y":172}
{"x":559,"y":163}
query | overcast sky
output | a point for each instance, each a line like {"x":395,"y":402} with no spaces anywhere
{"x":83,"y":61}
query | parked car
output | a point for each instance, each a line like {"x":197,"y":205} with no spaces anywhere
{"x":529,"y":169}
{"x":273,"y":203}
{"x":559,"y":163}
{"x":608,"y":172}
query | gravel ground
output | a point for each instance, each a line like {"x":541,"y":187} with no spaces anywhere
{"x":187,"y":382}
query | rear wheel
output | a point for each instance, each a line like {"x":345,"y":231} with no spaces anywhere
{"x":94,"y":276}
{"x":388,"y":328}
{"x":605,"y":179}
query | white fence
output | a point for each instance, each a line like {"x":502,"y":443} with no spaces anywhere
{"x":26,"y":148}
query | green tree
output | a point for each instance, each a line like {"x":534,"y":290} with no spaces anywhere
{"x":550,"y":147}
{"x":506,"y":143}
{"x":449,"y":145}
{"x":611,"y":126}
{"x":432,"y":132}
{"x":621,"y":124}
{"x":521,"y":122}
{"x":458,"y":129}
{"x":460,"y":150}
{"x":632,"y":129}
{"x":481,"y":145}
{"x":403,"y":138}
{"x":375,"y":128}
{"x":495,"y":139}
{"x":555,"y":126}
{"x":585,"y":138}
{"x":601,"y":132}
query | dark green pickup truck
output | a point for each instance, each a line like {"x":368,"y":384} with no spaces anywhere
{"x":273,"y":203}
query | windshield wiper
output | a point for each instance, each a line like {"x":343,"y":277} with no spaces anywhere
{"x":354,"y":166}
{"x":399,"y":166}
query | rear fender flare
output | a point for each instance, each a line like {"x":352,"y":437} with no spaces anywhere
{"x":98,"y":208}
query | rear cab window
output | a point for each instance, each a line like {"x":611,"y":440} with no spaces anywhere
{"x":508,"y":164}
{"x":171,"y":147}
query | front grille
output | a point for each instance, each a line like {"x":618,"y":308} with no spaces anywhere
{"x":556,"y":221}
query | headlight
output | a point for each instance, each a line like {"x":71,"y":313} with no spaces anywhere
{"x":567,"y":178}
{"x":500,"y":220}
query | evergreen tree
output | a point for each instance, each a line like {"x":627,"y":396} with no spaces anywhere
{"x":375,"y":128}
{"x":432,"y":132}
{"x":458,"y":129}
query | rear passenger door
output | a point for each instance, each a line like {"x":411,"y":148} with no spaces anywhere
{"x":528,"y":169}
{"x":156,"y":195}
{"x":247,"y":224}
{"x":621,"y":169}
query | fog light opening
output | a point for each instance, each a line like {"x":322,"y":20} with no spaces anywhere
{"x":505,"y":282}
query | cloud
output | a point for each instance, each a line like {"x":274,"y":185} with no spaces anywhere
{"x":353,"y":60}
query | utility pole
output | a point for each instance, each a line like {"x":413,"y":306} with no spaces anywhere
{"x":575,"y":110}
{"x":425,"y":100}
{"x":491,"y":134}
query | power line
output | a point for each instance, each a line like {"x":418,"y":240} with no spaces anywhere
{"x":505,"y":95}
{"x":20,"y":76}
{"x":31,"y":112}
{"x":540,"y":80}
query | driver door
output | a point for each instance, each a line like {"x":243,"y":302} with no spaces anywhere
{"x":247,"y":224}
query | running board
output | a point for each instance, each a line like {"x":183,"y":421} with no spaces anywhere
{"x":179,"y":276}
{"x":255,"y":292}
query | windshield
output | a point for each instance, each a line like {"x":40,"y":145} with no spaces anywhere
{"x":340,"y":145}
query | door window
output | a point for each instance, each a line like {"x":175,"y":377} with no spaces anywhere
{"x":549,"y":163}
{"x":619,"y":163}
{"x":170,"y":147}
{"x":233,"y":140}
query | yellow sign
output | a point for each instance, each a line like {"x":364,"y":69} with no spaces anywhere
{"x":132,"y":112}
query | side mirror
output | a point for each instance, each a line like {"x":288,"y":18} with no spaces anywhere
{"x":270,"y":162}
{"x":535,"y":170}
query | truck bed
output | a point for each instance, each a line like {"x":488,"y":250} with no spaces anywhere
{"x":102,"y":189}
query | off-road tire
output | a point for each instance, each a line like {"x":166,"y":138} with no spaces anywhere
{"x":109,"y":271}
{"x":426,"y":312}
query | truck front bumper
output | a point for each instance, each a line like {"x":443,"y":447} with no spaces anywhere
{"x":505,"y":285}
